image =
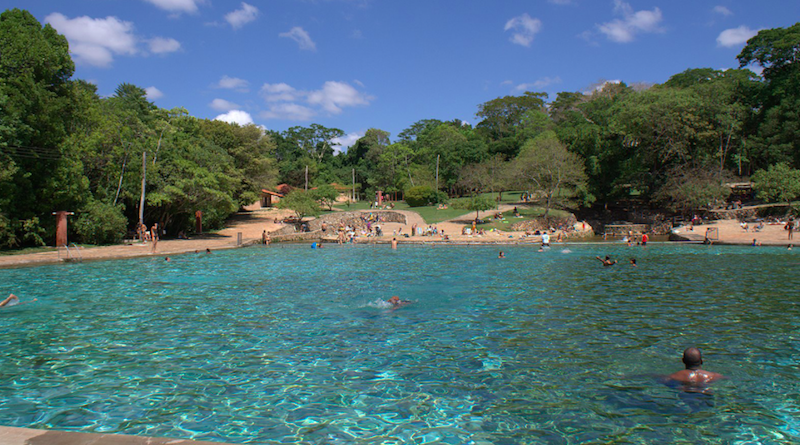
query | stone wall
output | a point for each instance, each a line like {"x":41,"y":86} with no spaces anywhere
{"x":353,"y":219}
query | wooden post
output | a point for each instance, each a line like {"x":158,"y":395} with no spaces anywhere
{"x":437,"y":173}
{"x":198,"y":222}
{"x":61,"y":227}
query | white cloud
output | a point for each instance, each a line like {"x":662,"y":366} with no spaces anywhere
{"x":161,"y":45}
{"x":735,"y":36}
{"x":241,"y":17}
{"x":722,"y":11}
{"x":289,"y":111}
{"x":335,"y":95}
{"x":624,"y":30}
{"x":332,"y":98}
{"x":524,"y":29}
{"x":235,"y":117}
{"x":233,"y":83}
{"x":95,"y":41}
{"x":176,"y":5}
{"x":280,"y":92}
{"x":347,"y":140}
{"x":153,"y":93}
{"x":539,"y":84}
{"x":223,"y":105}
{"x":302,"y":38}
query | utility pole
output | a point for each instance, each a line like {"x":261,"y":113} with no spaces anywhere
{"x":354,"y":185}
{"x":437,"y":173}
{"x":306,"y":178}
{"x":144,"y":175}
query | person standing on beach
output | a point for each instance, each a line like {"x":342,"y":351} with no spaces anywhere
{"x":644,"y":239}
{"x":154,"y":236}
{"x":790,"y":227}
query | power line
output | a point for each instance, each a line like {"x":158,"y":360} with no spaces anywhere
{"x":52,"y":154}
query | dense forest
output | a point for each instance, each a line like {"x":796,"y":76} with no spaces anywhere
{"x":674,"y":146}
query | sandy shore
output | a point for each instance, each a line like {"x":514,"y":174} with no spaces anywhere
{"x":730,"y":232}
{"x":252,"y":224}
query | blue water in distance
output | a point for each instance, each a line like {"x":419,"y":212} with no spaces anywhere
{"x":287,"y":344}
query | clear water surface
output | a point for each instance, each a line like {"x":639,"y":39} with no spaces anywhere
{"x":292,"y":345}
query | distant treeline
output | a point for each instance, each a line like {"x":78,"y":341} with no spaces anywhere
{"x":676,"y":145}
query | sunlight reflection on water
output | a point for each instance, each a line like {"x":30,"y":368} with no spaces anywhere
{"x":288,"y":344}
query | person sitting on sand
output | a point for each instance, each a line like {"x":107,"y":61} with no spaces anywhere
{"x":607,"y":261}
{"x":12,"y":300}
{"x":396,"y":302}
{"x":693,"y":375}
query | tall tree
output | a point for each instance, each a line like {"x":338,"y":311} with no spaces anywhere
{"x":544,"y":165}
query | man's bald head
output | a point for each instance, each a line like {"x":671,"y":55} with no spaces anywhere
{"x":692,"y":358}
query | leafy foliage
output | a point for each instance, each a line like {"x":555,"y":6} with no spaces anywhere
{"x":101,"y":223}
{"x":778,"y":183}
{"x":301,"y":202}
{"x":423,"y":195}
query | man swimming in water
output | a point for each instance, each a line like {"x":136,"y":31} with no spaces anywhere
{"x":12,"y":300}
{"x":607,"y":261}
{"x":693,"y":375}
{"x":396,"y":302}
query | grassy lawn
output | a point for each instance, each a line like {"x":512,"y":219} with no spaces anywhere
{"x":431,"y":214}
{"x":525,"y":213}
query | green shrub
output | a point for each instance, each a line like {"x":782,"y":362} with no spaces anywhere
{"x":7,"y":236}
{"x":101,"y":223}
{"x":423,"y":195}
{"x":32,"y":232}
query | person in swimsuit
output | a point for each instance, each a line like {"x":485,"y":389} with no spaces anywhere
{"x":396,"y":302}
{"x":12,"y":300}
{"x":693,"y":375}
{"x":501,"y":255}
{"x":607,"y":261}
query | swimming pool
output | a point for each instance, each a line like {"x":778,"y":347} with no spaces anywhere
{"x":291,"y":345}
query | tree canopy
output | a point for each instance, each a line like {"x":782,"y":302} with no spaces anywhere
{"x":674,"y":145}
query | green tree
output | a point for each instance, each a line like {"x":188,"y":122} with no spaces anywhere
{"x":492,"y":175}
{"x":778,"y":183}
{"x":478,"y":203}
{"x":301,"y":203}
{"x":545,"y":165}
{"x":325,"y":194}
{"x":101,"y":223}
{"x":686,"y":191}
{"x":36,"y":109}
{"x":777,"y":137}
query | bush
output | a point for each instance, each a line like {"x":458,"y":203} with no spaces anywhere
{"x":7,"y":236}
{"x":779,"y":183}
{"x":101,"y":223}
{"x":423,"y":195}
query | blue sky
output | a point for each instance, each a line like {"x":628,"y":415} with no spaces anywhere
{"x":360,"y":64}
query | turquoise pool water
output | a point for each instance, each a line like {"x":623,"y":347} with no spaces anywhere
{"x":291,"y":345}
